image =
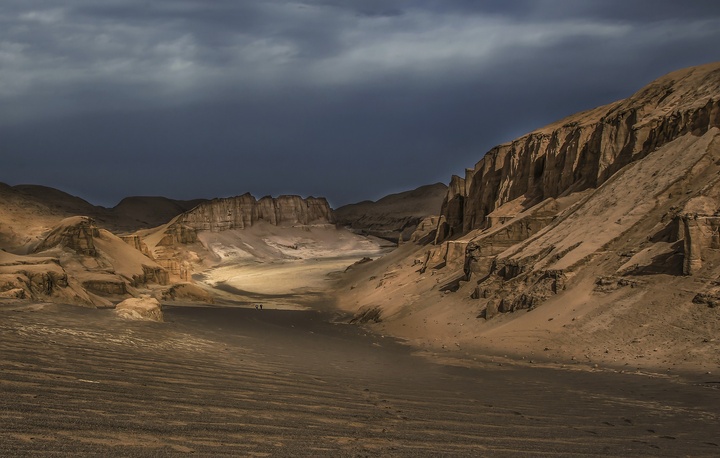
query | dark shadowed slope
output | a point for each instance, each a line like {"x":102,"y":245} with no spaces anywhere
{"x":394,"y":214}
{"x":152,"y":211}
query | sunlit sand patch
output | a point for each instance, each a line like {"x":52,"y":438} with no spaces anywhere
{"x":281,"y":277}
{"x":280,"y":267}
{"x":279,"y":284}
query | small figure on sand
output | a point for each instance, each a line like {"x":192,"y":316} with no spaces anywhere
{"x":258,"y":306}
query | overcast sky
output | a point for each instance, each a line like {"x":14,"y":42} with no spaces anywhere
{"x":351,"y":99}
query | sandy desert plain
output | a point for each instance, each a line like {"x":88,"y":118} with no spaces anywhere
{"x":561,"y":299}
{"x":295,"y":379}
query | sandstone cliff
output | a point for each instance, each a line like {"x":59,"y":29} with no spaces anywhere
{"x":244,"y":211}
{"x":604,"y":225}
{"x":76,"y":233}
{"x":77,"y":262}
{"x":582,"y":151}
{"x":214,"y":231}
{"x":28,"y":211}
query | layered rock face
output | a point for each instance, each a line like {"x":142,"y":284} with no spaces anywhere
{"x":656,"y":219}
{"x":23,"y":281}
{"x":177,"y":246}
{"x":584,"y":150}
{"x":244,"y":211}
{"x":699,"y":228}
{"x":136,"y":242}
{"x":620,"y":201}
{"x":452,"y":209}
{"x":75,"y":233}
{"x":178,"y":233}
{"x":81,"y":264}
{"x":643,"y":169}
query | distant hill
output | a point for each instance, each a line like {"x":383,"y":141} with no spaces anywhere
{"x":394,"y":215}
{"x":27,"y":211}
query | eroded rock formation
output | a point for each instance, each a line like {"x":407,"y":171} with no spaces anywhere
{"x":144,"y":308}
{"x":700,"y":231}
{"x":75,"y":233}
{"x":178,"y":233}
{"x":452,"y":209}
{"x":86,"y":265}
{"x":619,"y":201}
{"x":628,"y":215}
{"x":425,"y":231}
{"x":151,"y":274}
{"x":494,"y":210}
{"x":244,"y":211}
{"x":32,"y":281}
{"x":136,"y":242}
{"x":584,"y":150}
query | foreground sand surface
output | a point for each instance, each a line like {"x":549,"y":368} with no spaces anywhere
{"x":218,"y":381}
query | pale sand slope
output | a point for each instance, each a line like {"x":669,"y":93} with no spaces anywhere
{"x":651,"y":324}
{"x":280,"y":267}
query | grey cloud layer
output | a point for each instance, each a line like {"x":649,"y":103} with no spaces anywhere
{"x":312,"y":93}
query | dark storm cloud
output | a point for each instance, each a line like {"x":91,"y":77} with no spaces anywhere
{"x":348,"y":99}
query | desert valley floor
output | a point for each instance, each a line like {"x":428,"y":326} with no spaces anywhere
{"x":235,"y":381}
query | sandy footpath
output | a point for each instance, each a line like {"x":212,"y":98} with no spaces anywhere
{"x":219,"y":381}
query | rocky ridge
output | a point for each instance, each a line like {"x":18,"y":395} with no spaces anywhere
{"x":582,"y":151}
{"x":607,"y":221}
